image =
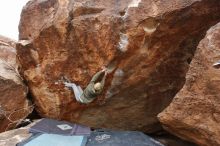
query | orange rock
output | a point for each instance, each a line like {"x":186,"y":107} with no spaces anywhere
{"x":194,"y":113}
{"x":150,"y":41}
{"x":14,"y":106}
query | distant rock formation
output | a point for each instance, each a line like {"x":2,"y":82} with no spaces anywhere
{"x":13,"y":103}
{"x":150,"y":42}
{"x":194,"y":113}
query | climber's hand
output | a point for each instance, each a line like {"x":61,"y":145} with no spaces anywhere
{"x":106,"y":72}
{"x":104,"y":69}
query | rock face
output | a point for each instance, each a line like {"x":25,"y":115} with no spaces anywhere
{"x":194,"y":113}
{"x":170,"y":140}
{"x":13,"y":103}
{"x":150,"y":42}
{"x":13,"y":137}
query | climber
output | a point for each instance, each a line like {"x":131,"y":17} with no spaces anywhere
{"x":94,"y":88}
{"x":217,"y":64}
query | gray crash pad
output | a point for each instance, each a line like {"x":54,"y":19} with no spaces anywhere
{"x":120,"y":138}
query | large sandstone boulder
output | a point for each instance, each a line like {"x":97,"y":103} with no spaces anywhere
{"x":150,"y":42}
{"x":194,"y":113}
{"x":13,"y":103}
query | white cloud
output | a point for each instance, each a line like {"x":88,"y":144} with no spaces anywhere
{"x":10,"y":11}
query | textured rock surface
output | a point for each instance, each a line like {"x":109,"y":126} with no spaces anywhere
{"x":12,"y":137}
{"x":150,"y":41}
{"x":170,"y":140}
{"x":13,"y":103}
{"x":194,"y":113}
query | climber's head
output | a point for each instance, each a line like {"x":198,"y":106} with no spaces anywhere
{"x":98,"y":86}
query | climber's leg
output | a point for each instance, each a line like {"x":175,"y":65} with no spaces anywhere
{"x":76,"y":89}
{"x":80,"y":89}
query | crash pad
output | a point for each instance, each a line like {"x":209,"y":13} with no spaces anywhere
{"x":51,"y":126}
{"x":54,"y":140}
{"x":120,"y":138}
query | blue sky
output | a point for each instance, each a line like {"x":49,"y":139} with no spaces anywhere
{"x":10,"y":11}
